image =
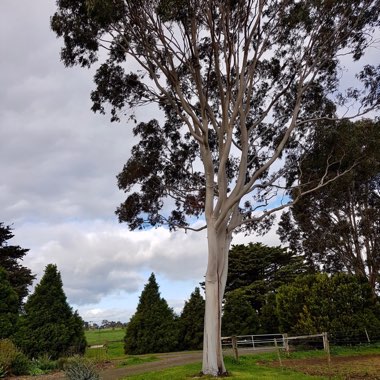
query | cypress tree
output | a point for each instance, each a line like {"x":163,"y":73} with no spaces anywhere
{"x":8,"y":306}
{"x":191,"y":322}
{"x":20,"y":277}
{"x":239,"y":317}
{"x":153,"y":327}
{"x":49,"y":325}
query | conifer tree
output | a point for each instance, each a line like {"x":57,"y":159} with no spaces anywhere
{"x":49,"y":325}
{"x":192,"y":322}
{"x":20,"y":277}
{"x":153,"y":327}
{"x":8,"y":306}
{"x":239,"y":317}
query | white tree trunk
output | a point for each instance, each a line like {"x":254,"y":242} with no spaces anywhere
{"x":216,"y":277}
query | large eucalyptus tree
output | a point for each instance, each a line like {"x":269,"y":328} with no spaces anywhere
{"x":241,"y":84}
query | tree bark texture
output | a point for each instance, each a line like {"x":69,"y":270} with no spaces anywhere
{"x":216,"y":277}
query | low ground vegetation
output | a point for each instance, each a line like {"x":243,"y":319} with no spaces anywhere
{"x":362,"y":361}
{"x":346,"y":363}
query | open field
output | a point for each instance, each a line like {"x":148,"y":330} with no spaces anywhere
{"x":112,"y":337}
{"x":101,"y":336}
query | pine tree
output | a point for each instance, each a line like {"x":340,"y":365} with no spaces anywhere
{"x":191,"y":322}
{"x":8,"y":306}
{"x":153,"y":327}
{"x":19,"y":276}
{"x":49,"y":325}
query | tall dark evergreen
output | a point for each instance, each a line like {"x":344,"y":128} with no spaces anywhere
{"x":191,"y":322}
{"x":19,"y":276}
{"x":239,"y":317}
{"x":256,"y":271}
{"x":153,"y":328}
{"x":49,"y":325}
{"x":338,"y":226}
{"x":8,"y":306}
{"x":259,"y":263}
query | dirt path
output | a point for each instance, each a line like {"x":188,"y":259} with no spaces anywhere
{"x":112,"y":373}
{"x":166,"y":361}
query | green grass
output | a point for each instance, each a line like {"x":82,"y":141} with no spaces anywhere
{"x":112,"y":337}
{"x":246,"y":368}
{"x":365,"y":349}
{"x":102,"y":336}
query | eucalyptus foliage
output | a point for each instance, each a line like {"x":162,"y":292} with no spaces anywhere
{"x":338,"y":227}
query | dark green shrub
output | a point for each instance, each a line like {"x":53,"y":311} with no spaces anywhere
{"x":341,"y":304}
{"x":79,"y":368}
{"x":12,"y":361}
{"x":45,"y":363}
{"x":20,"y":365}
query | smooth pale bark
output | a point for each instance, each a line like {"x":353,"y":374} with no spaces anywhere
{"x":215,"y":282}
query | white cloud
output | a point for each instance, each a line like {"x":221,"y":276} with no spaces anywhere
{"x":101,"y":259}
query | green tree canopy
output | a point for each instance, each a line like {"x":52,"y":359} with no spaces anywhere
{"x":191,"y":322}
{"x":49,"y":325}
{"x":341,"y":305}
{"x":257,"y":262}
{"x":9,"y":303}
{"x":256,"y":271}
{"x":19,"y":276}
{"x":338,"y":226}
{"x":153,"y":328}
{"x":239,"y":317}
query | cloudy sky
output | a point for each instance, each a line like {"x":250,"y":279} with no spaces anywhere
{"x":58,"y":165}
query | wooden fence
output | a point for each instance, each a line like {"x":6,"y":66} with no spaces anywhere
{"x":268,"y":342}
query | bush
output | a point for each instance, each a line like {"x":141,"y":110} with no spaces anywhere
{"x":8,"y":352}
{"x":79,"y":368}
{"x":20,"y":365}
{"x":12,"y":361}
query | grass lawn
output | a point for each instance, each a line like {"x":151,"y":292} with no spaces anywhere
{"x":346,"y":363}
{"x":101,"y":336}
{"x":112,"y":337}
{"x":246,"y":368}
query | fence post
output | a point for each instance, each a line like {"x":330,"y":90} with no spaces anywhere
{"x":278,"y":351}
{"x":234,"y":347}
{"x":253,"y":342}
{"x":366,"y":333}
{"x":326,"y":347}
{"x":285,"y":342}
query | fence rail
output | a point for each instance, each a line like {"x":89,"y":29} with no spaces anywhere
{"x":255,"y":342}
{"x":270,"y":342}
